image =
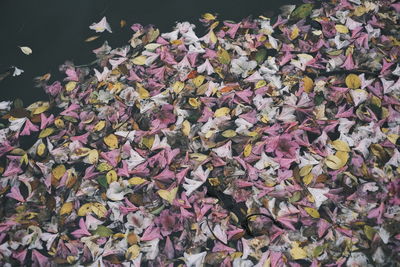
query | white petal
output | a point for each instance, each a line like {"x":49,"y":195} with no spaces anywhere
{"x":195,"y":260}
{"x":26,"y":50}
{"x":191,"y":185}
{"x":101,"y":26}
{"x":318,"y":195}
{"x":358,"y":96}
{"x":134,"y":160}
{"x":17,"y":124}
{"x":17,"y":71}
{"x":224,"y":151}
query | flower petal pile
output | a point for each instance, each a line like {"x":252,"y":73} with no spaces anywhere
{"x":266,"y":142}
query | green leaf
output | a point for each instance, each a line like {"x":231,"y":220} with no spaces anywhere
{"x":158,"y":210}
{"x":18,"y":103}
{"x":260,"y":56}
{"x":103,"y":231}
{"x":302,"y":11}
{"x":319,"y":98}
{"x":317,"y":251}
{"x":223,"y":56}
{"x":369,"y":231}
{"x":46,"y":132}
{"x":102,"y":180}
{"x":295,"y":197}
{"x":71,"y":119}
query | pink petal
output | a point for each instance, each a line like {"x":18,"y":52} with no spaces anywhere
{"x":151,"y":233}
{"x":39,"y":259}
{"x":83,"y":231}
{"x":16,"y":194}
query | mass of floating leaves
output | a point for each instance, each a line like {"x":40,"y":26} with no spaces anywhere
{"x":265,"y":142}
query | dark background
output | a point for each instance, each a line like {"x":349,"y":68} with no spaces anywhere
{"x":56,"y":30}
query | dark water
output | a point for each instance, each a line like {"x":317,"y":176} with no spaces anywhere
{"x":56,"y":30}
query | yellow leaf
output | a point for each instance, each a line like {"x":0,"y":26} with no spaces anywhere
{"x":214,"y":181}
{"x":198,"y":156}
{"x":93,"y":156}
{"x":132,"y":252}
{"x":247,"y":150}
{"x":81,"y":152}
{"x":308,"y":178}
{"x":92,"y":38}
{"x":41,"y":149}
{"x":376,"y":101}
{"x":305,"y":170}
{"x":340,"y":145}
{"x":221,"y":112}
{"x":353,"y":81}
{"x":194,"y":102}
{"x":176,"y":42}
{"x":66,"y":208}
{"x":148,"y":141}
{"x":136,"y":181}
{"x":236,"y":255}
{"x":343,"y":156}
{"x":267,"y":263}
{"x":59,"y":123}
{"x":308,"y":84}
{"x":168,"y":195}
{"x":208,"y":16}
{"x":140,"y":60}
{"x":18,"y":152}
{"x":213,"y":37}
{"x":209,"y":134}
{"x":198,"y":80}
{"x":111,"y":141}
{"x":46,"y":132}
{"x":393,"y":138}
{"x":24,"y":159}
{"x":85,"y":209}
{"x":104,"y":166}
{"x":26,"y":50}
{"x":59,"y":171}
{"x":143,"y":93}
{"x":360,"y":10}
{"x":229,"y":133}
{"x":186,"y":128}
{"x":178,"y":86}
{"x":111,"y":176}
{"x":264,"y":118}
{"x":341,"y":29}
{"x":294,"y":33}
{"x":252,"y":134}
{"x":152,"y":46}
{"x":99,"y":209}
{"x":312,"y":212}
{"x":42,"y":108}
{"x":70,"y":86}
{"x":99,"y":126}
{"x":214,"y":25}
{"x":333,"y":162}
{"x":297,"y":252}
{"x":260,"y":84}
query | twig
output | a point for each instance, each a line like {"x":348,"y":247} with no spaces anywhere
{"x":338,"y":72}
{"x":209,"y":228}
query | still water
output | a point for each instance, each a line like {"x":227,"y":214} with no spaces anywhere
{"x":56,"y":30}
